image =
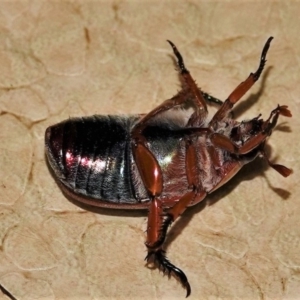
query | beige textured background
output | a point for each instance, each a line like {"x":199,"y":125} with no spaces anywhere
{"x":81,"y":58}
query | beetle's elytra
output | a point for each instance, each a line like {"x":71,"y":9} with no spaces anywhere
{"x":163,"y":161}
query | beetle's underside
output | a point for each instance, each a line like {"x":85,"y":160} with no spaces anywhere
{"x":211,"y":153}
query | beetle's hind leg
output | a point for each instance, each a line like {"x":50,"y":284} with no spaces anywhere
{"x":242,"y":88}
{"x":190,"y":93}
{"x":191,"y":90}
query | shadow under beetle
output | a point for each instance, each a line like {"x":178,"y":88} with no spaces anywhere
{"x":163,"y":161}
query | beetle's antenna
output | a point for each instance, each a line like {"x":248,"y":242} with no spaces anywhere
{"x":282,"y":170}
{"x":268,"y":125}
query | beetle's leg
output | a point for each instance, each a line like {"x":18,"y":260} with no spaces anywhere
{"x":158,"y":223}
{"x":190,"y":87}
{"x":190,"y":92}
{"x":196,"y":194}
{"x":242,"y":88}
{"x":156,"y":232}
{"x":151,"y":175}
{"x":190,"y":83}
{"x":167,"y":267}
{"x":152,"y":178}
{"x":177,"y":100}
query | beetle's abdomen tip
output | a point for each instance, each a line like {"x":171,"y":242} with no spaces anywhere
{"x":53,"y":144}
{"x":53,"y":139}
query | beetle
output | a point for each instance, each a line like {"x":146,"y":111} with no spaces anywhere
{"x":163,"y":161}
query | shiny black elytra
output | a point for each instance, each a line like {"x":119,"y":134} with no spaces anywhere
{"x":163,"y":161}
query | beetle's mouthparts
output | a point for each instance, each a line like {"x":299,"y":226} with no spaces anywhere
{"x":267,"y":126}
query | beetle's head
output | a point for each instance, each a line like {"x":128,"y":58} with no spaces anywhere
{"x":254,"y":133}
{"x":245,"y":130}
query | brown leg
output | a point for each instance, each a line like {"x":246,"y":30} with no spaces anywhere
{"x":241,"y":89}
{"x":151,"y":173}
{"x":158,"y":223}
{"x":152,"y":178}
{"x":190,"y":84}
{"x":190,"y":92}
{"x":158,"y":220}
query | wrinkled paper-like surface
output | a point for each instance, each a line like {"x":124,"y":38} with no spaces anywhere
{"x":81,"y":58}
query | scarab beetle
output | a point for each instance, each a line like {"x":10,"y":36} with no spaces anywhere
{"x":163,"y":161}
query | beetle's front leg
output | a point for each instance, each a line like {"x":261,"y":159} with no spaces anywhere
{"x":224,"y":142}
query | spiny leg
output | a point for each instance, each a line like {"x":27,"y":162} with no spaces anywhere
{"x":189,"y":82}
{"x":167,"y":267}
{"x":151,"y":175}
{"x":159,"y":222}
{"x":155,"y":250}
{"x":241,"y":89}
{"x":197,"y":97}
{"x":191,"y":92}
{"x":156,"y":233}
